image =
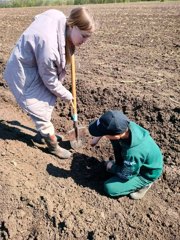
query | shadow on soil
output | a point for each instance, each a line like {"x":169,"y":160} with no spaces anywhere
{"x":12,"y":130}
{"x":85,"y":171}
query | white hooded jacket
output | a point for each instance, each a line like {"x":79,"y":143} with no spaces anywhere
{"x":35,"y":70}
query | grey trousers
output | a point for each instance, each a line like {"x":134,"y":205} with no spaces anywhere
{"x":44,"y":127}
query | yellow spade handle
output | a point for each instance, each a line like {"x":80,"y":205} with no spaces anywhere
{"x":73,"y":79}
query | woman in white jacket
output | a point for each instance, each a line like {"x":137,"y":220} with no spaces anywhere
{"x":35,"y":70}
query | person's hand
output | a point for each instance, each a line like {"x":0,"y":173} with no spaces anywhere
{"x":71,"y":103}
{"x":109,"y":164}
{"x":94,"y":141}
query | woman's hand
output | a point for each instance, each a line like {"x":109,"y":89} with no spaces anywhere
{"x":71,"y":103}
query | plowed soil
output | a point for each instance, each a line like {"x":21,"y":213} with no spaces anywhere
{"x":131,"y":63}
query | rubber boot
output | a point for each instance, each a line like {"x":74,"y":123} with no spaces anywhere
{"x":55,"y":149}
{"x":38,"y":138}
{"x":140,"y":194}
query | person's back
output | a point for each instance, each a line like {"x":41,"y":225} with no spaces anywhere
{"x":25,"y":69}
{"x":143,"y":151}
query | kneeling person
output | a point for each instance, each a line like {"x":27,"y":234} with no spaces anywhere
{"x":138,"y":159}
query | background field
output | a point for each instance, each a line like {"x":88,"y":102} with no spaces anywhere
{"x":31,"y":3}
{"x":130,"y":63}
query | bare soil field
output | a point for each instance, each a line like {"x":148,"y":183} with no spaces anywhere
{"x":131,"y":63}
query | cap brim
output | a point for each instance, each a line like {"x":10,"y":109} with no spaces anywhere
{"x":93,"y":129}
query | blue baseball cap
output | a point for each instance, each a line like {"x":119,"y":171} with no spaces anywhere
{"x":110,"y":123}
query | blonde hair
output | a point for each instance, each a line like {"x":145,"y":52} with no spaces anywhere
{"x":81,"y":18}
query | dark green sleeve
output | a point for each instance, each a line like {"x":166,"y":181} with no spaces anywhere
{"x":117,"y":152}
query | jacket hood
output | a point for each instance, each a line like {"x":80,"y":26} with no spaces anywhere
{"x":60,"y":20}
{"x":138,"y":134}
